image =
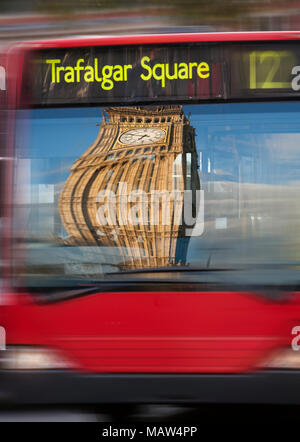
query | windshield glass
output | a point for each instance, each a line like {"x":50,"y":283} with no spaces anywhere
{"x":103,"y":191}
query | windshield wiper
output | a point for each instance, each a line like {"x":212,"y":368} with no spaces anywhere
{"x":171,"y":269}
{"x":58,"y":294}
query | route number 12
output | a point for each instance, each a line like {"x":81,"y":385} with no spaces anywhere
{"x":268,"y":69}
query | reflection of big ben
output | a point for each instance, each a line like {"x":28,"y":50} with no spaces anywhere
{"x":140,"y":157}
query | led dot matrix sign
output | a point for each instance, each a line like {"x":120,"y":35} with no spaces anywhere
{"x":198,"y":71}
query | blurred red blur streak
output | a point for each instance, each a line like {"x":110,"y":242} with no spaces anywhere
{"x":204,"y":332}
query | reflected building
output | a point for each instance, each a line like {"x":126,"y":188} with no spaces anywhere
{"x":127,"y":190}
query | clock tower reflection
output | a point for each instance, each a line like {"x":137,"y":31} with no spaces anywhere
{"x":120,"y":192}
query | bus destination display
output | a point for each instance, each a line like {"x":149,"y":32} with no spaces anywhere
{"x":180,"y":72}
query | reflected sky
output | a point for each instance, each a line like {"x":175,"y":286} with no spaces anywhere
{"x":267,"y":129}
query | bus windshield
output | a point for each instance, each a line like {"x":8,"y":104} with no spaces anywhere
{"x":103,"y":192}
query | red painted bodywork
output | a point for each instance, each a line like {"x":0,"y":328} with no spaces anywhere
{"x":166,"y":38}
{"x":191,"y":332}
{"x":204,"y":332}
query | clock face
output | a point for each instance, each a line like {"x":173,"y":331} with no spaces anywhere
{"x":142,"y":136}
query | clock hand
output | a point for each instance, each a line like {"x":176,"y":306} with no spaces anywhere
{"x":135,"y":135}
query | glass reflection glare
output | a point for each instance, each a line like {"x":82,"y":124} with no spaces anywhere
{"x":246,"y":160}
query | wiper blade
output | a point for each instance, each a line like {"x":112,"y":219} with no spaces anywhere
{"x":57,"y":294}
{"x":171,"y":269}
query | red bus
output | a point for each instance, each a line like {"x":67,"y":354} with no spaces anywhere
{"x":150,"y":219}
